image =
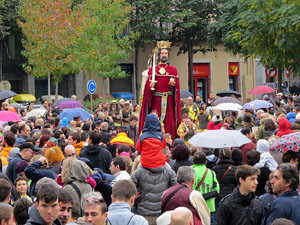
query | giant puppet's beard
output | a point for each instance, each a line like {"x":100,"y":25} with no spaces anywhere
{"x":163,"y":59}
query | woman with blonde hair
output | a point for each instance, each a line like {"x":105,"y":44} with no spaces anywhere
{"x":55,"y":156}
{"x":135,"y":163}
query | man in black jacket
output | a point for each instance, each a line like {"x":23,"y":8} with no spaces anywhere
{"x":241,"y":206}
{"x":98,"y":156}
{"x":27,"y":151}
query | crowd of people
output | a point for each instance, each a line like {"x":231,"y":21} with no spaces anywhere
{"x":105,"y":171}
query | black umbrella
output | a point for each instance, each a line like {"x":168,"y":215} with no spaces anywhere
{"x":226,"y":100}
{"x":228,"y":93}
{"x":185,"y":94}
{"x":6,"y":94}
{"x":61,"y":100}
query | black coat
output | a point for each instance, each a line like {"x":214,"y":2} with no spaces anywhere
{"x":179,"y":163}
{"x":228,"y":183}
{"x":98,"y":156}
{"x":262,"y":179}
{"x":237,"y":209}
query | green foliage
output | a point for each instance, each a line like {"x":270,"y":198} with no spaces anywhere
{"x":50,"y":29}
{"x":103,"y":39}
{"x":8,"y":17}
{"x":267,"y":29}
{"x":87,"y":104}
{"x":191,"y":19}
{"x":150,"y":19}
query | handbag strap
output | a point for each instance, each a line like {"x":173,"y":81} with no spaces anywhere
{"x":169,"y":198}
{"x":225,"y":173}
{"x":201,"y":181}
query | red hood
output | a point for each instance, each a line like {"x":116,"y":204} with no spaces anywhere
{"x":284,"y":124}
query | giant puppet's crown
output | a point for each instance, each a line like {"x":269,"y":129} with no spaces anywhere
{"x":164,"y":44}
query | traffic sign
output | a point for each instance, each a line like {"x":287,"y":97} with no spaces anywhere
{"x":271,"y":72}
{"x":91,"y":86}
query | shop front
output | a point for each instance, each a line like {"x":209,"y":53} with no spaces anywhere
{"x":201,"y":80}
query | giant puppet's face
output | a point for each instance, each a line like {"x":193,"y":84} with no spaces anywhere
{"x":164,"y":55}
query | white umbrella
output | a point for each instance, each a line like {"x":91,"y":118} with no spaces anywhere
{"x":219,"y":139}
{"x":229,"y":107}
{"x":36,"y":113}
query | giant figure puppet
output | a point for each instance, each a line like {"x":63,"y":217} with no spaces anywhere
{"x":162,"y":91}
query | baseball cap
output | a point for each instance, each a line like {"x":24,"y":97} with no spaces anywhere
{"x":28,"y":145}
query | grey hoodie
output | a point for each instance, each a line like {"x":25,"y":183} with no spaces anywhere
{"x":151,"y":183}
{"x":36,"y":219}
{"x":77,"y":175}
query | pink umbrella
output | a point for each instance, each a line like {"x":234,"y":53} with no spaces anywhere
{"x":6,"y":116}
{"x":70,"y":104}
{"x":262,"y":89}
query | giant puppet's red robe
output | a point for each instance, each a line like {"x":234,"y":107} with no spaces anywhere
{"x":150,"y":102}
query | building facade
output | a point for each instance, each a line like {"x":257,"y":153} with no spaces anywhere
{"x":212,"y":72}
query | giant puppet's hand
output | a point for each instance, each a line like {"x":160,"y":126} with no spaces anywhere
{"x":172,"y":82}
{"x":152,"y":84}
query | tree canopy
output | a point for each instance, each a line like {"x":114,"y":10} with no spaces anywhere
{"x":62,"y":38}
{"x":191,"y":19}
{"x":267,"y":29}
{"x":150,"y":19}
{"x":105,"y":37}
{"x":50,"y":29}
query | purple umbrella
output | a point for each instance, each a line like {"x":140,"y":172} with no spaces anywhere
{"x":70,"y":104}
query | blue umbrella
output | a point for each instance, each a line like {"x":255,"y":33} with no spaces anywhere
{"x":185,"y":94}
{"x":71,"y":113}
{"x":257,"y":104}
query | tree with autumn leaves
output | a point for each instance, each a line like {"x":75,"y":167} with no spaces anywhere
{"x":62,"y":39}
{"x":50,"y":30}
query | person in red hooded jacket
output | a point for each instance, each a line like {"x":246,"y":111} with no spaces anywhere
{"x":151,"y":143}
{"x":216,"y":123}
{"x":284,"y":127}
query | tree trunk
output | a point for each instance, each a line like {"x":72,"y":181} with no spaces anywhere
{"x":56,"y":88}
{"x":136,"y":68}
{"x":190,"y":65}
{"x":1,"y":75}
{"x":49,"y":93}
{"x":280,"y":71}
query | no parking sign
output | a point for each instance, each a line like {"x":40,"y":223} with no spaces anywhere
{"x":271,"y":72}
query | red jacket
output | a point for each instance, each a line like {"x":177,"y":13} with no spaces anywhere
{"x":151,"y":152}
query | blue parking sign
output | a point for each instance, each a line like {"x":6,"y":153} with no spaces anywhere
{"x":91,"y":86}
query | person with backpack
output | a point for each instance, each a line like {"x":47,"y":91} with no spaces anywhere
{"x":74,"y":176}
{"x":119,"y":212}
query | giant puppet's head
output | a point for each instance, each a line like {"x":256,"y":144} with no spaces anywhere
{"x":163,"y":51}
